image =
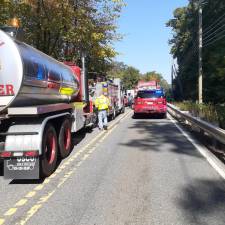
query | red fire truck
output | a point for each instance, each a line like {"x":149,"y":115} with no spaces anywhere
{"x":115,"y":92}
{"x":149,"y":99}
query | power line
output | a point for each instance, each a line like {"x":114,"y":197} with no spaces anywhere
{"x":222,"y":22}
{"x":215,"y":28}
{"x":214,"y":34}
{"x":209,"y":28}
{"x":218,"y":35}
{"x":209,"y":43}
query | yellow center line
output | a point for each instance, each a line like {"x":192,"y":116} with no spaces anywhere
{"x":39,"y":187}
{"x":46,"y":197}
{"x":31,"y":194}
{"x":58,"y":171}
{"x":21,"y":202}
{"x":85,"y":156}
{"x":30,"y":213}
{"x":62,"y":181}
{"x":10,"y":212}
{"x":46,"y":181}
{"x":52,"y":176}
{"x":69,"y":173}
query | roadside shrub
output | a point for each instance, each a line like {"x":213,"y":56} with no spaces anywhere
{"x":214,"y":114}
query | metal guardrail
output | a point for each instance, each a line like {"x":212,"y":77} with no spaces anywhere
{"x":214,"y":131}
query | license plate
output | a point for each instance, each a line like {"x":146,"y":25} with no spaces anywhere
{"x":149,"y":103}
{"x":149,"y":108}
{"x":21,"y":168}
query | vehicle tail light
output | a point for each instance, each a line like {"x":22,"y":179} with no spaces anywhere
{"x":5,"y":154}
{"x":31,"y":153}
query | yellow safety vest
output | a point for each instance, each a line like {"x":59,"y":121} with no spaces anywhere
{"x":102,"y":103}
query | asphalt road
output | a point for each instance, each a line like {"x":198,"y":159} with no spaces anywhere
{"x":139,"y":172}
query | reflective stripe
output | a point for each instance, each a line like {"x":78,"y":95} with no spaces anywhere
{"x":66,"y":91}
{"x":102,"y":103}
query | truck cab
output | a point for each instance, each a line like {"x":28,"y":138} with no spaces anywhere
{"x":150,"y":102}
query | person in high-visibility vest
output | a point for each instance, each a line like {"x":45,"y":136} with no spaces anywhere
{"x":102,"y":104}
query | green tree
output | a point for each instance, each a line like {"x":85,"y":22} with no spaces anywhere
{"x":128,"y":74}
{"x":184,"y":45}
{"x":117,"y":70}
{"x":131,"y":77}
{"x":185,"y":50}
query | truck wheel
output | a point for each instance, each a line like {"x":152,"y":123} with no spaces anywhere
{"x":65,"y":138}
{"x":163,"y":116}
{"x":114,"y":114}
{"x":123,"y":110}
{"x":49,"y":149}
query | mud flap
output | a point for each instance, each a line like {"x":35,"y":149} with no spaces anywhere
{"x":21,"y":168}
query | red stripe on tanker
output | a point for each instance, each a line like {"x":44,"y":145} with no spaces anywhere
{"x":6,"y":89}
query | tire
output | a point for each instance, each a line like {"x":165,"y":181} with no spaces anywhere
{"x":135,"y":116}
{"x":50,"y":151}
{"x":163,"y":116}
{"x":65,"y":138}
{"x":95,"y":120}
{"x":114,"y":114}
{"x":122,"y":110}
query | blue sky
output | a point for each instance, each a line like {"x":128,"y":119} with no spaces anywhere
{"x":145,"y":44}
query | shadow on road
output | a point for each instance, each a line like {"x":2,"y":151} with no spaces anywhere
{"x":34,"y":181}
{"x":159,"y":135}
{"x":147,"y":116}
{"x":203,"y":199}
{"x":79,"y":136}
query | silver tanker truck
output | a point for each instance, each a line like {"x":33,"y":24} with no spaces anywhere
{"x":41,"y":102}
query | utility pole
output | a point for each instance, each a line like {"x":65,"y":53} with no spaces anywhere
{"x":200,"y":72}
{"x":84,"y":78}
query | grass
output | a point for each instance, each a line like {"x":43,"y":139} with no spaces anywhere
{"x":214,"y":114}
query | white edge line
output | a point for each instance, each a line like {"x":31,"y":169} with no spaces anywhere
{"x":212,"y":160}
